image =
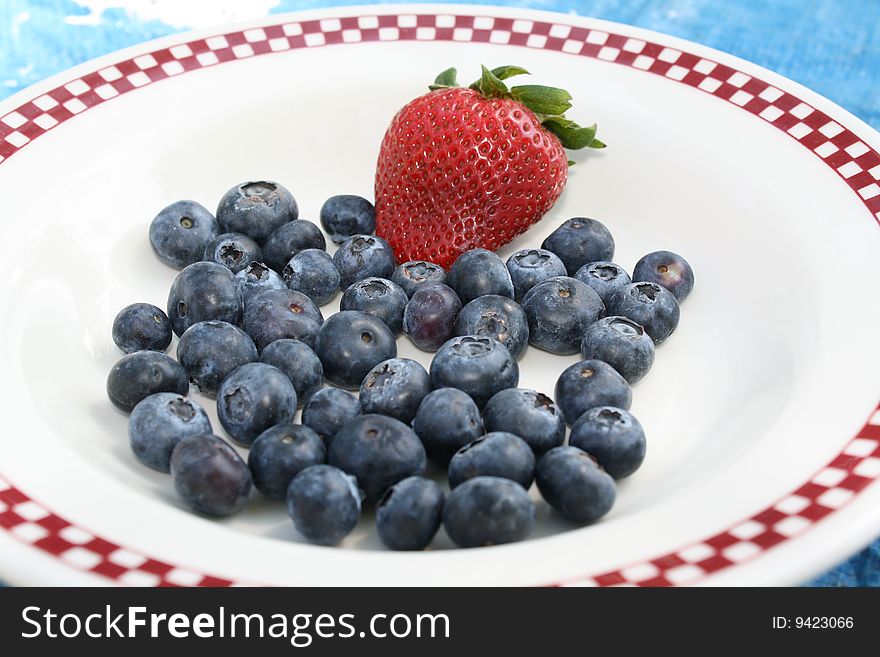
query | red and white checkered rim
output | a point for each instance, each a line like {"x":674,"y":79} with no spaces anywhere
{"x":831,"y":488}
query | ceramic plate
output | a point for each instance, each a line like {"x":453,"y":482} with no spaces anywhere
{"x":761,"y":411}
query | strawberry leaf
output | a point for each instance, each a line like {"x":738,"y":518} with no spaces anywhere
{"x":445,"y":80}
{"x":570,"y":134}
{"x":504,"y":72}
{"x":490,"y":85}
{"x":541,"y":99}
{"x":596,"y":144}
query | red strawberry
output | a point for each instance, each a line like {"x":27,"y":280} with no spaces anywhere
{"x":461,"y":168}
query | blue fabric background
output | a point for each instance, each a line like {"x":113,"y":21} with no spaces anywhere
{"x":831,"y":46}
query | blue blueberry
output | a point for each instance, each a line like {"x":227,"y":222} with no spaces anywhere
{"x":253,"y":398}
{"x":180,"y":232}
{"x":345,"y":215}
{"x":159,"y":422}
{"x":497,"y":454}
{"x":363,"y":256}
{"x":299,"y":363}
{"x":312,"y":272}
{"x":414,"y":274}
{"x":650,"y":305}
{"x":588,"y":384}
{"x":328,"y":409}
{"x":494,"y":316}
{"x":395,"y":388}
{"x":258,"y":277}
{"x":141,"y":326}
{"x":201,"y":292}
{"x":409,"y":514}
{"x":290,"y":239}
{"x":378,"y":297}
{"x":488,"y":511}
{"x":478,"y":272}
{"x":559,"y":310}
{"x":573,"y":484}
{"x":256,"y":208}
{"x":528,"y":414}
{"x":279,"y":454}
{"x":324,"y":504}
{"x":621,"y":343}
{"x":605,"y":278}
{"x":210,"y":351}
{"x":209,"y":476}
{"x":528,"y":267}
{"x":447,"y":420}
{"x":612,"y":436}
{"x":378,"y":451}
{"x":234,"y":251}
{"x":479,"y":366}
{"x":276,"y":314}
{"x":667,"y":269}
{"x":578,"y":241}
{"x":351,"y":343}
{"x":429,"y":317}
{"x":141,"y":374}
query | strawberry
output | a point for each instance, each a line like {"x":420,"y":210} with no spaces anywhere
{"x":473,"y":167}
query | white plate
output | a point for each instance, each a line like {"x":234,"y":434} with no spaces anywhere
{"x":760,"y":468}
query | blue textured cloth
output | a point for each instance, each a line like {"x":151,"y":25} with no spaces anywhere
{"x":831,"y":46}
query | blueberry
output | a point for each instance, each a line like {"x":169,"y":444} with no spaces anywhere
{"x":258,"y":277}
{"x":256,"y":209}
{"x":494,"y":316}
{"x":429,"y":317}
{"x":478,"y":366}
{"x":346,"y":215}
{"x":209,"y":476}
{"x":377,"y":450}
{"x":447,"y":420}
{"x":559,"y":310}
{"x":277,"y":314}
{"x":409,"y":514}
{"x":528,"y":267}
{"x":488,"y":511}
{"x":144,"y":373}
{"x":312,"y":272}
{"x":141,"y":326}
{"x":621,"y":343}
{"x":612,"y":436}
{"x":253,"y":398}
{"x":159,"y":422}
{"x":378,"y":297}
{"x":279,"y":453}
{"x":210,"y":351}
{"x":667,"y":269}
{"x":234,"y":251}
{"x":578,"y":241}
{"x":395,"y":388}
{"x":350,"y":344}
{"x":529,"y":414}
{"x":328,"y":409}
{"x":414,"y":274}
{"x":497,"y":454}
{"x":203,"y":291}
{"x":363,"y":256}
{"x":605,"y":278}
{"x":299,"y":363}
{"x":478,"y":272}
{"x":290,"y":239}
{"x":650,"y":305}
{"x":573,"y":484}
{"x":324,"y":504}
{"x":588,"y":384}
{"x":180,"y":232}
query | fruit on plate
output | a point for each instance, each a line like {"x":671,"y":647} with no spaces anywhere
{"x":473,"y":167}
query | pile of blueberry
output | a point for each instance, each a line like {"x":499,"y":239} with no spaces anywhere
{"x":246,"y":309}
